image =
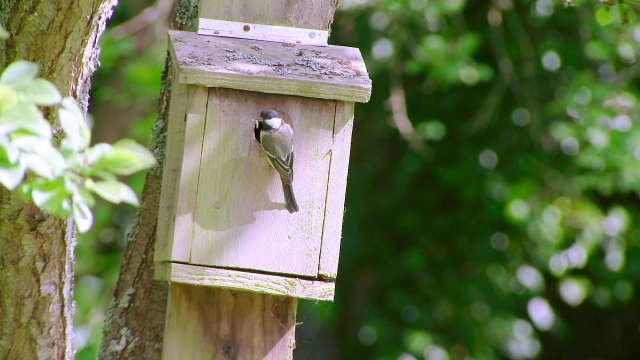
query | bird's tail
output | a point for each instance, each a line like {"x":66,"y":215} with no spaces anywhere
{"x":289,"y":198}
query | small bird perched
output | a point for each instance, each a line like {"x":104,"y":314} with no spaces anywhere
{"x":276,"y":138}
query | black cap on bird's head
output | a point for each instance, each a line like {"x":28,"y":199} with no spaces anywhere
{"x":269,"y":120}
{"x":269,"y":114}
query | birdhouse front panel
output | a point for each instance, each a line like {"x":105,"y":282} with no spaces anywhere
{"x":240,"y":216}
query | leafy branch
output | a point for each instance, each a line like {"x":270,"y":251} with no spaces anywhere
{"x":60,"y":180}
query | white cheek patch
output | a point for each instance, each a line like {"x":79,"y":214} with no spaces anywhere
{"x":274,"y":122}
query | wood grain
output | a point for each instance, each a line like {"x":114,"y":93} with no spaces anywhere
{"x":281,"y":34}
{"x":210,"y":323}
{"x":245,"y":281}
{"x":241,"y":220}
{"x":180,"y":177}
{"x":336,"y":189}
{"x":333,"y":72}
{"x":308,"y":14}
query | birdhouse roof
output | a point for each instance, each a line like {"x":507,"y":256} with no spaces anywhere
{"x":329,"y":72}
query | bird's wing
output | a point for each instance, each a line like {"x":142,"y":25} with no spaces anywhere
{"x":278,"y":146}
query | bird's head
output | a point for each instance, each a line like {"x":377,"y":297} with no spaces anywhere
{"x":269,"y":120}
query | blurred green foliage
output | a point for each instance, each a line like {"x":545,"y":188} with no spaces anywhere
{"x":514,"y":235}
{"x":504,"y":215}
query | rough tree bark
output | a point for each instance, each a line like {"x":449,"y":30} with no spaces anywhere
{"x":36,"y":249}
{"x":135,"y":321}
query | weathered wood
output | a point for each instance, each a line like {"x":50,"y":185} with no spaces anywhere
{"x":210,"y":323}
{"x":245,"y":281}
{"x":308,"y":14}
{"x":180,"y":178}
{"x":281,"y":34}
{"x":336,"y":189}
{"x":333,"y":72}
{"x":235,"y":222}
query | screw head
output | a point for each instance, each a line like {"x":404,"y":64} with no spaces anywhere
{"x":246,"y":28}
{"x":312,"y":34}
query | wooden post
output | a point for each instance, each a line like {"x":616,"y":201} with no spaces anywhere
{"x":212,"y":323}
{"x":208,"y":322}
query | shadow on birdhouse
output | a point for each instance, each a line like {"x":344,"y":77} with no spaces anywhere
{"x":223,"y":220}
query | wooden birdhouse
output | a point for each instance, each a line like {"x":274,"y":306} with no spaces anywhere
{"x":222,"y":219}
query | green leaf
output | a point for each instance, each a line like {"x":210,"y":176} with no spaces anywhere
{"x":8,"y":96}
{"x":417,"y":341}
{"x":434,"y":48}
{"x":96,"y":152}
{"x":124,"y":158}
{"x":77,"y":133}
{"x":80,"y":193}
{"x":8,"y":153}
{"x":38,"y":165}
{"x":113,"y":191}
{"x":52,"y":196}
{"x":24,"y":116}
{"x":431,"y":130}
{"x":40,"y":156}
{"x":468,"y":44}
{"x":105,"y":175}
{"x":628,"y":15}
{"x":82,"y":216}
{"x":4,"y":34}
{"x":19,"y":73}
{"x":604,"y":16}
{"x":40,"y":92}
{"x":596,"y":50}
{"x":11,"y":174}
{"x":451,"y":7}
{"x":25,"y":190}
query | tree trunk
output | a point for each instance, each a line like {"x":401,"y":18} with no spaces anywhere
{"x":36,"y":249}
{"x":135,"y":321}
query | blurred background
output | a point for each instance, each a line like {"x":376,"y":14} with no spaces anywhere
{"x":492,"y":203}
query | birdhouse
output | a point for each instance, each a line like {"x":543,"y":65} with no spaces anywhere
{"x":222,"y":218}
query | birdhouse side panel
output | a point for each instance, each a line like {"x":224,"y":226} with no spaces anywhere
{"x":183,"y":144}
{"x":241,"y":219}
{"x":334,"y":213}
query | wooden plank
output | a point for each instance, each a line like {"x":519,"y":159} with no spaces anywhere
{"x":308,"y":14}
{"x":180,"y":177}
{"x":188,"y":189}
{"x":332,"y":72}
{"x":244,"y":30}
{"x":171,"y":173}
{"x":241,"y":220}
{"x":210,"y":323}
{"x":336,"y":189}
{"x":245,"y":281}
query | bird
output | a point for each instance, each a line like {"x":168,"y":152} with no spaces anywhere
{"x":276,"y":138}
